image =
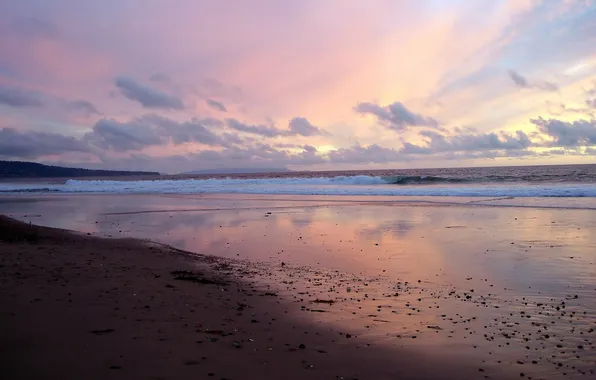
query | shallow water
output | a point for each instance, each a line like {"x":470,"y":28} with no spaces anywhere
{"x":508,"y":285}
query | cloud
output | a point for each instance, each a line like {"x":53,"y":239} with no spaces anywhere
{"x":591,"y":103}
{"x":287,"y":146}
{"x":298,"y":126}
{"x":194,"y":130}
{"x":82,"y":106}
{"x":266,"y":156}
{"x":216,"y":105}
{"x":260,"y":130}
{"x":254,"y":156}
{"x":16,"y":97}
{"x":258,"y":155}
{"x":468,"y":142}
{"x":19,"y":98}
{"x":396,"y":116}
{"x":110,"y":134}
{"x":147,"y":96}
{"x":34,"y":28}
{"x":365,"y":154}
{"x":568,"y":134}
{"x":29,"y":145}
{"x":518,"y":79}
{"x":302,"y":127}
{"x":160,"y":77}
{"x":210,"y":87}
{"x":154,"y":130}
{"x":521,"y":81}
{"x":547,"y":86}
{"x":558,"y":109}
{"x":454,"y":148}
{"x":230,"y":150}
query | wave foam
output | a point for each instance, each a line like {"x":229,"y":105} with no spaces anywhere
{"x":342,"y":185}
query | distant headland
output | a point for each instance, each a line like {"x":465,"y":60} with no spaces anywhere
{"x":236,"y":171}
{"x":19,"y":169}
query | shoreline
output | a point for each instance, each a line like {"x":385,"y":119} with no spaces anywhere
{"x":77,"y":306}
{"x":290,"y":201}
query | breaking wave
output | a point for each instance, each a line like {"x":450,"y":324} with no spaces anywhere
{"x":363,"y":185}
{"x":423,"y":180}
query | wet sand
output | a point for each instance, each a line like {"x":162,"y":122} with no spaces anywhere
{"x":371,"y":291}
{"x":79,"y":307}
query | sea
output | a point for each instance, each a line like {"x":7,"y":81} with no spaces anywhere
{"x":562,"y":181}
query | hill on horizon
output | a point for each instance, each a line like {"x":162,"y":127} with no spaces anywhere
{"x":237,"y":171}
{"x":22,"y":169}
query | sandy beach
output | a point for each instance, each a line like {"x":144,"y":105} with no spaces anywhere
{"x":285,"y":288}
{"x":81,"y":307}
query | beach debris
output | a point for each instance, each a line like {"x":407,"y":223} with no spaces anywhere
{"x":241,"y":306}
{"x":216,"y":332}
{"x":328,"y":302}
{"x":102,"y":332}
{"x":182,"y":275}
{"x":306,"y":365}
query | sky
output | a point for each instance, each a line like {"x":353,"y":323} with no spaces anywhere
{"x":308,"y":85}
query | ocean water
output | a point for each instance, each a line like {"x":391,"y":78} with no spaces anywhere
{"x":566,"y":181}
{"x":493,"y":274}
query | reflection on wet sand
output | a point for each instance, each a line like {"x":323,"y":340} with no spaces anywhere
{"x":509,"y":286}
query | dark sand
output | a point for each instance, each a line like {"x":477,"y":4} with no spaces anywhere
{"x":82,"y":307}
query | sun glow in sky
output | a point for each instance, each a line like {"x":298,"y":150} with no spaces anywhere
{"x":178,"y":86}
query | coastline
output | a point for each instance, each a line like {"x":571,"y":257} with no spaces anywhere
{"x":77,"y":306}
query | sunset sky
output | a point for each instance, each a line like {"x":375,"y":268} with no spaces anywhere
{"x":174,"y":86}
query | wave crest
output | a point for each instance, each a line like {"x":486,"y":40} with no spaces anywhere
{"x":422,"y":180}
{"x":341,"y":185}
